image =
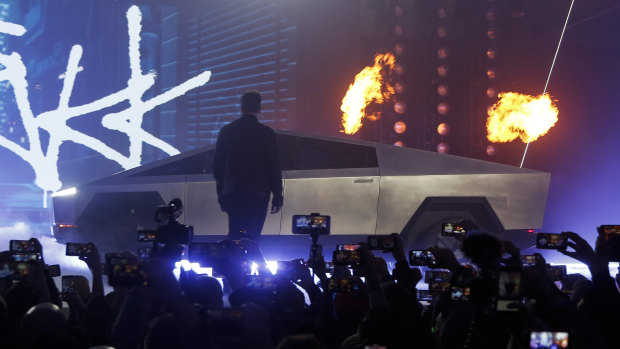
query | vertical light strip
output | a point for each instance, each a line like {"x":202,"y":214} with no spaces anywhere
{"x":555,"y":57}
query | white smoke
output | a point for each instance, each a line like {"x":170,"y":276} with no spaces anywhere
{"x":53,"y":252}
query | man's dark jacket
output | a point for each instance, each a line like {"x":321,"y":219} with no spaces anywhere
{"x":247,"y":160}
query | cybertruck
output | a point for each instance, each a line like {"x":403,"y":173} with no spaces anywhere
{"x":366,"y":188}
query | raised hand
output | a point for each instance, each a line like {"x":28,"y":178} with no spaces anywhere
{"x":583,"y":252}
{"x":399,"y":251}
{"x":444,"y":258}
{"x":92,"y":259}
{"x":515,"y":254}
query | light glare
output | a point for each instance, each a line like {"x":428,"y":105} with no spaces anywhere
{"x":65,"y":192}
{"x":272,"y":266}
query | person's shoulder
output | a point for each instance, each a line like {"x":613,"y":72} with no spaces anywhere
{"x":266,"y":128}
{"x":268,"y":131}
{"x":229,"y":126}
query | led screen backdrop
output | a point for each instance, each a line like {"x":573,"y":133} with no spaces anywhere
{"x":90,"y":88}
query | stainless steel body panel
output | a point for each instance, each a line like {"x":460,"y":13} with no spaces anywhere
{"x":202,"y":210}
{"x":350,"y":201}
{"x":517,"y":199}
{"x":167,"y":191}
{"x":369,"y":200}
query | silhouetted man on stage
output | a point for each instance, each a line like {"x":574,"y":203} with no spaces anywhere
{"x":247,"y":171}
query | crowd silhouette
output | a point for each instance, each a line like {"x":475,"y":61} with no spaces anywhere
{"x":497,"y":299}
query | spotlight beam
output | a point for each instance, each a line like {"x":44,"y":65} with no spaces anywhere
{"x":555,"y":57}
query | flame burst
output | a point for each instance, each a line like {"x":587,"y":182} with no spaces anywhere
{"x":518,"y":115}
{"x":369,"y":86}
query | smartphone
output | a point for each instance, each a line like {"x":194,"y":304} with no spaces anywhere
{"x":205,"y":253}
{"x":346,"y":257}
{"x":236,"y":246}
{"x":509,"y":288}
{"x":114,"y":259}
{"x":6,"y":269}
{"x":53,"y":270}
{"x":68,"y":284}
{"x":436,"y":276}
{"x":127,"y":275}
{"x":453,"y":229}
{"x":528,"y":260}
{"x":344,"y":285}
{"x":144,"y":253}
{"x":26,"y":256}
{"x":381,"y":242}
{"x":611,"y":234}
{"x":267,"y":283}
{"x":316,"y":254}
{"x":460,"y":293}
{"x":424,"y":295}
{"x":349,"y":247}
{"x":421,"y":258}
{"x":550,"y":241}
{"x":147,"y":235}
{"x":289,"y":270}
{"x":557,"y":272}
{"x":23,"y":246}
{"x":22,"y":270}
{"x":436,"y":288}
{"x":329,"y":267}
{"x":77,"y":249}
{"x":311,"y":224}
{"x":223,"y":321}
{"x":548,"y":340}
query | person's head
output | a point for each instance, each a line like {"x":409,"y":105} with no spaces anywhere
{"x":350,"y":308}
{"x":19,"y":298}
{"x":44,"y":318}
{"x":250,"y":102}
{"x":398,"y":297}
{"x":164,"y":332}
{"x":82,"y":288}
{"x":300,"y":341}
{"x":484,"y":250}
{"x":45,"y":326}
{"x":206,"y":291}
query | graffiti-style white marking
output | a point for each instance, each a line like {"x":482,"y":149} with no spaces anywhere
{"x":44,"y":162}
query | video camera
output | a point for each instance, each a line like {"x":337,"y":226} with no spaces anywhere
{"x":314,"y":225}
{"x":170,"y":231}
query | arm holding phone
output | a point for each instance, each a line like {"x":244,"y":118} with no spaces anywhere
{"x":514,"y":253}
{"x":584,"y":253}
{"x":444,"y":258}
{"x":69,"y":295}
{"x":93,"y":261}
{"x":601,"y":303}
{"x":377,"y":299}
{"x":39,"y":277}
{"x":408,"y":277}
